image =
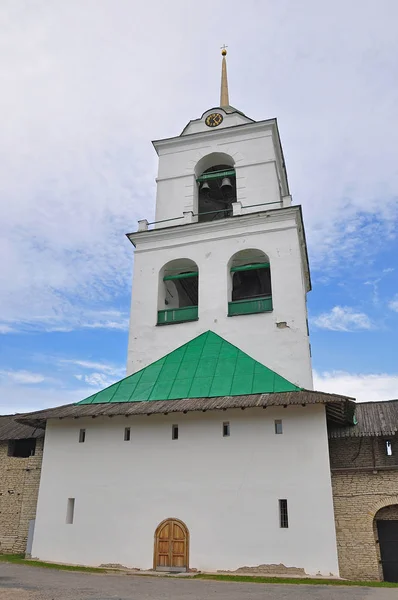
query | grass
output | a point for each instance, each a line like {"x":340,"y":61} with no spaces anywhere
{"x":295,"y":581}
{"x":19,"y":559}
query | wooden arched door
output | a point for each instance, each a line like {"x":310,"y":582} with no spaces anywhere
{"x":171,"y":546}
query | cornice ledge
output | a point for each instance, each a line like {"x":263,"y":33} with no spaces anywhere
{"x":166,"y":233}
{"x":209,"y":135}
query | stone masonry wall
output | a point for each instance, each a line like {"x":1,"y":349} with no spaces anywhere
{"x":362,"y":452}
{"x":19,"y":487}
{"x":364,"y":481}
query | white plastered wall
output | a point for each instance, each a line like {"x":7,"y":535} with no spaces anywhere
{"x":285,"y":350}
{"x":253,"y":150}
{"x":226,"y":490}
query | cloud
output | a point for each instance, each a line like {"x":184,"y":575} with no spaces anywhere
{"x":24,"y":377}
{"x":77,"y":168}
{"x":363,"y":387}
{"x":102,"y":374}
{"x":99,"y":380}
{"x":6,"y":329}
{"x":122,"y":325}
{"x":24,"y":398}
{"x":65,"y":322}
{"x":393,"y":304}
{"x":102,"y":367}
{"x":342,"y":318}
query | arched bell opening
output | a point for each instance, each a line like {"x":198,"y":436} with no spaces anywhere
{"x":178,"y":292}
{"x":250,"y":283}
{"x":216,"y":179}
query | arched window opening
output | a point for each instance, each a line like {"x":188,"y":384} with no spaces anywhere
{"x":217,"y":192}
{"x":179,"y":289}
{"x":251,"y":290}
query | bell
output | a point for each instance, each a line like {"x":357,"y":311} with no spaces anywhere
{"x":205,"y":187}
{"x":226,"y":184}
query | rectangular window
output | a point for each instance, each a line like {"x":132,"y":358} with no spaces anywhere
{"x":174,"y":432}
{"x":226,"y":429}
{"x":70,"y":511}
{"x":283,"y":517}
{"x":278,"y":426}
{"x":127,"y":434}
{"x":22,"y":448}
{"x":388,"y":448}
{"x":82,"y":436}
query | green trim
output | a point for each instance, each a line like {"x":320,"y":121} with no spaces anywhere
{"x":216,"y":175}
{"x":180,"y":276}
{"x":250,"y":307}
{"x":205,"y":367}
{"x":250,"y":267}
{"x":177,"y":315}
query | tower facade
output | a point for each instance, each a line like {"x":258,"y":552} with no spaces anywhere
{"x":218,"y":335}
{"x":227,"y":250}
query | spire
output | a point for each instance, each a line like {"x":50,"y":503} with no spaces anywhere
{"x":224,"y":97}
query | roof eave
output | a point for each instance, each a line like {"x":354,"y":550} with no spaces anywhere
{"x":336,"y":414}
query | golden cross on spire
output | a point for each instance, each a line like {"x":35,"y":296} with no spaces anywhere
{"x":224,"y":96}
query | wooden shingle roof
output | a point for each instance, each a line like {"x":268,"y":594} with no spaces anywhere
{"x":339,"y":409}
{"x":373,"y":419}
{"x":11,"y":429}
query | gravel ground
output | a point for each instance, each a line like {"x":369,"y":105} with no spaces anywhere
{"x":19,"y":582}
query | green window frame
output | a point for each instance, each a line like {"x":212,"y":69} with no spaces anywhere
{"x":251,"y":267}
{"x":170,"y":316}
{"x":181,"y":276}
{"x":216,"y":175}
{"x":250,"y":307}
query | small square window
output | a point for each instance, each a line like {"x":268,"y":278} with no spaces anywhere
{"x":278,"y":426}
{"x":127,"y":434}
{"x":283,"y":516}
{"x":82,"y":436}
{"x":226,"y":431}
{"x":174,"y":432}
{"x":388,"y":448}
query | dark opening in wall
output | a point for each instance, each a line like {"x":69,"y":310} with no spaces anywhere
{"x":251,"y":283}
{"x":186,"y":289}
{"x":174,"y":432}
{"x":217,"y":192}
{"x":22,"y":448}
{"x":226,"y":430}
{"x":179,"y":292}
{"x":283,"y":516}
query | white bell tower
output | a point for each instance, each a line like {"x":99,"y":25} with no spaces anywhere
{"x":227,"y":251}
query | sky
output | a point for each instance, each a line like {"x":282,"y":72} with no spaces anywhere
{"x":85,"y":87}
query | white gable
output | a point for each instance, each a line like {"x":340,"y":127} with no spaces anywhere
{"x":231,"y":117}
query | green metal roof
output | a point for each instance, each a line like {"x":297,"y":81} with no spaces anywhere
{"x":207,"y":366}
